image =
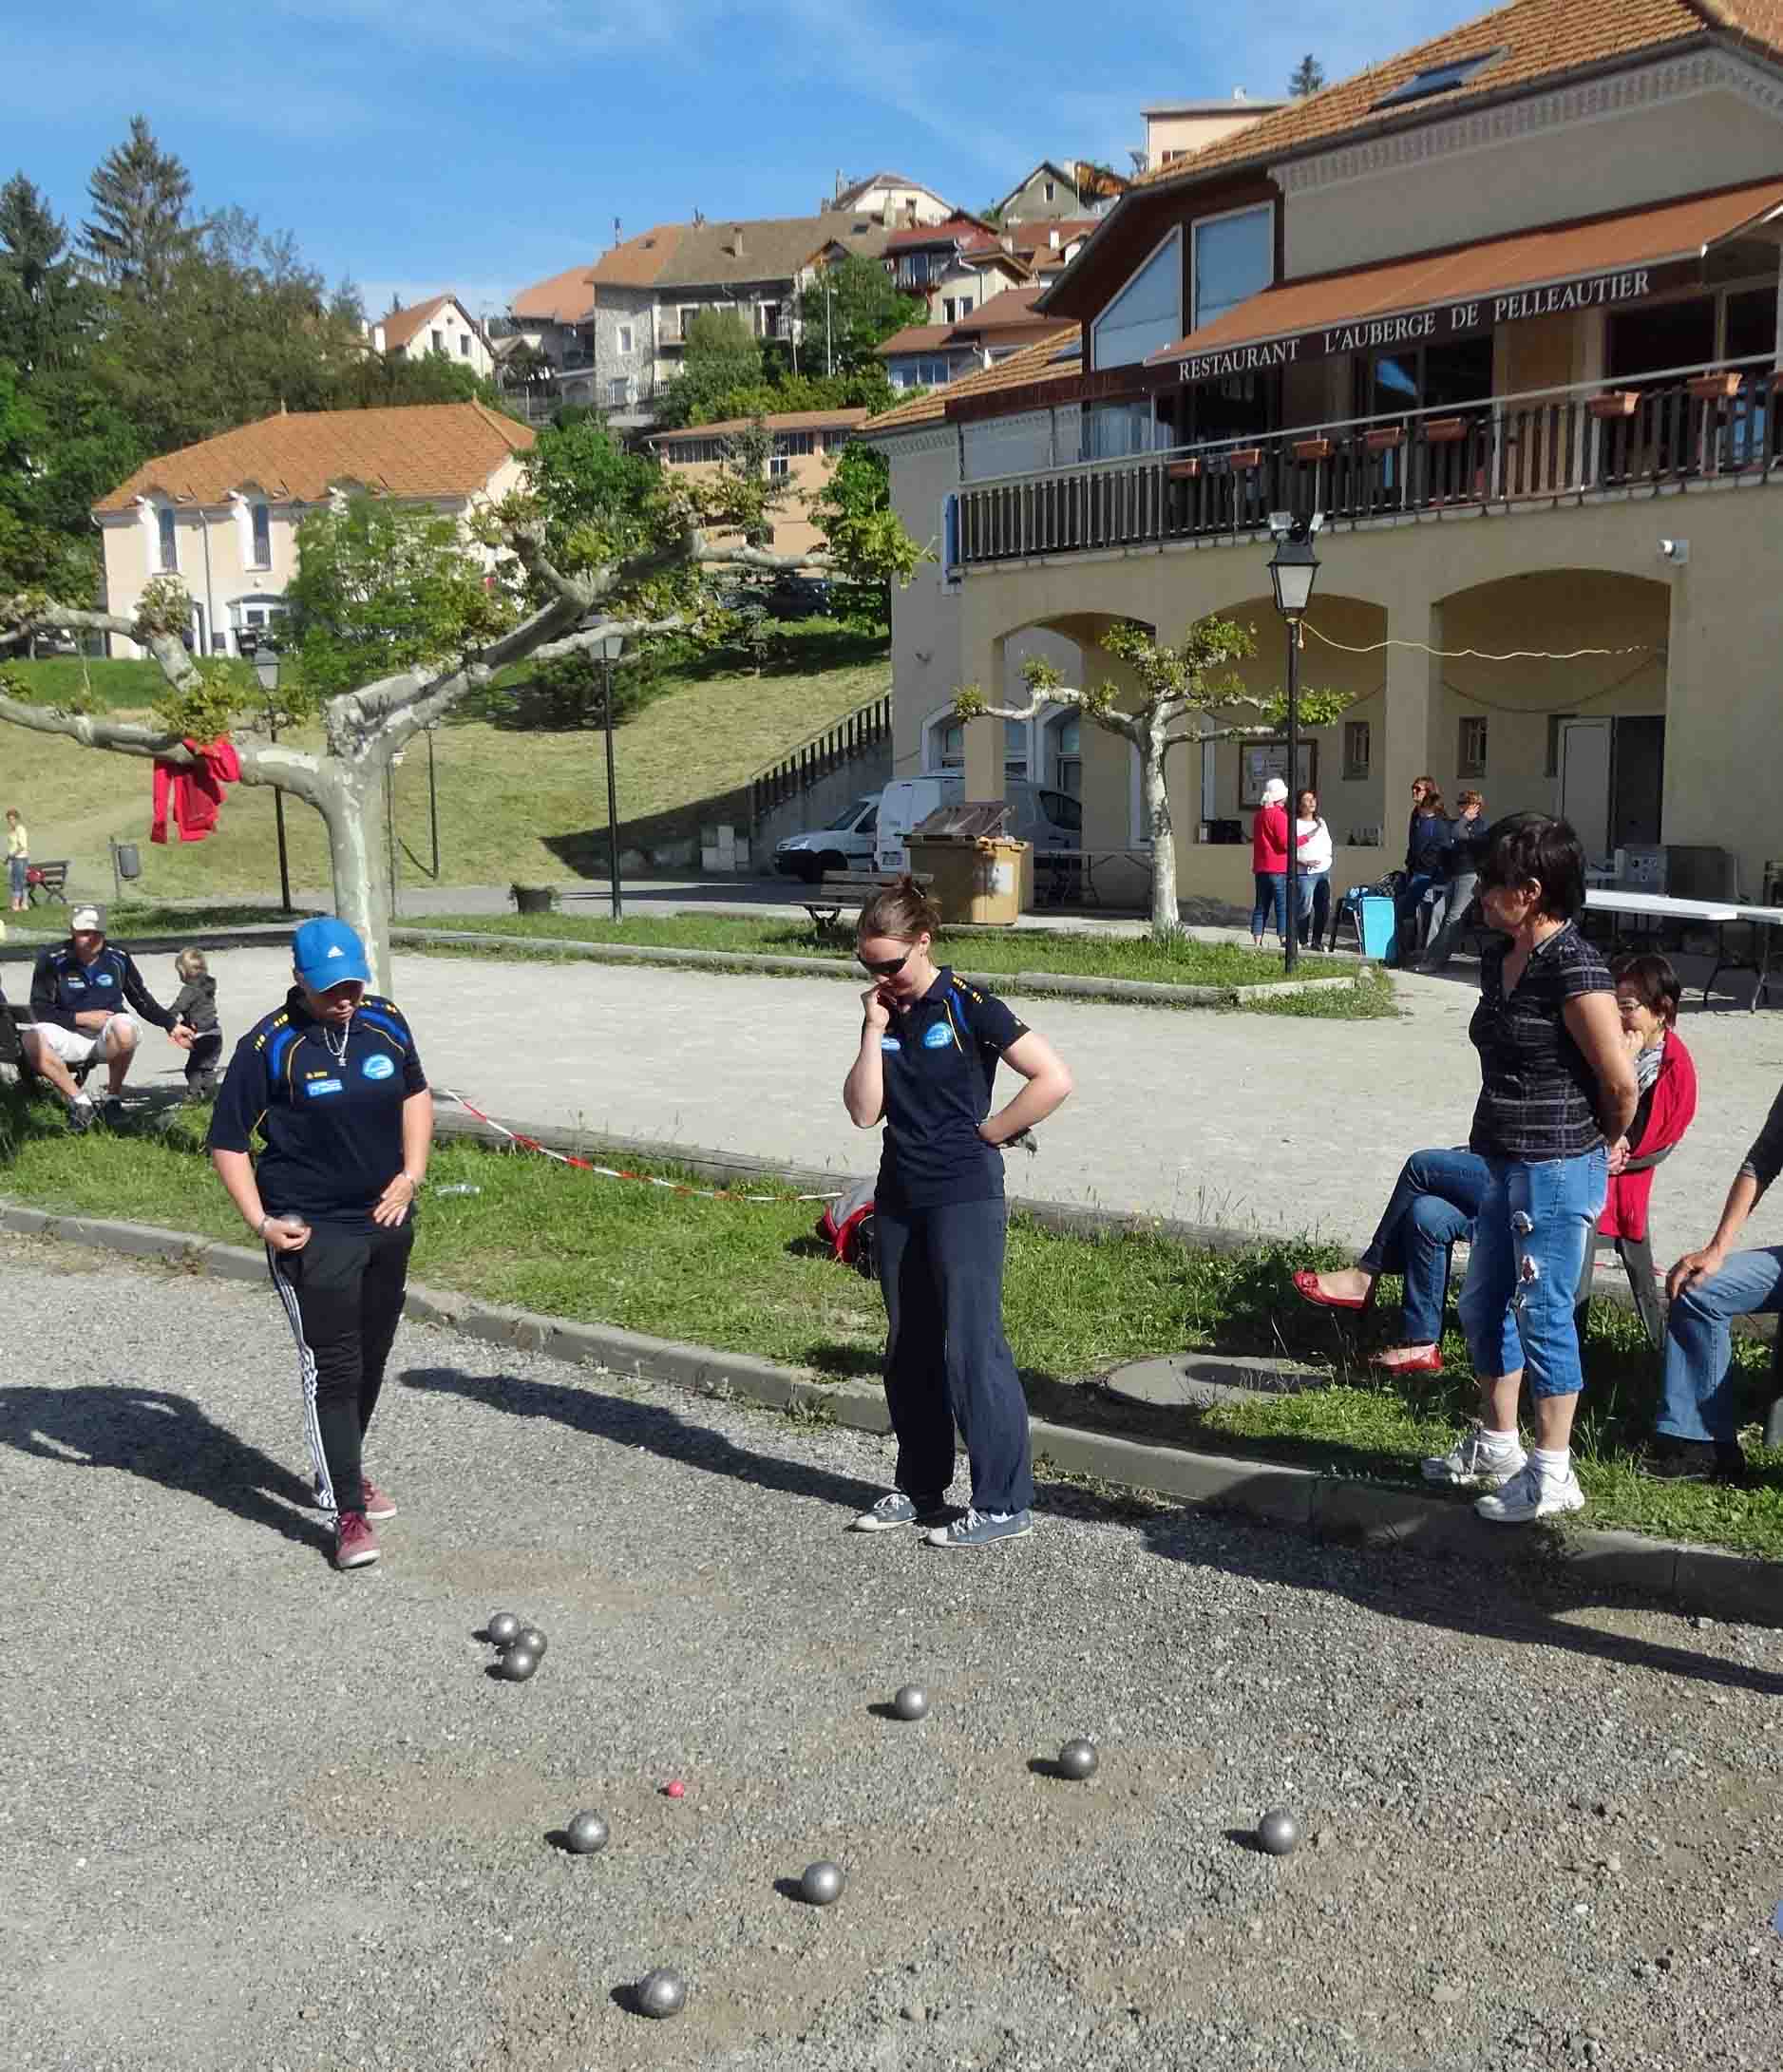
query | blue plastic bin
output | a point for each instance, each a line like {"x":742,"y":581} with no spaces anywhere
{"x":1377,"y":926}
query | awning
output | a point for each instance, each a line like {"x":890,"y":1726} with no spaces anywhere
{"x":1594,"y":263}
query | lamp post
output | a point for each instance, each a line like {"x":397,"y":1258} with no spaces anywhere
{"x":1293,"y":570}
{"x":266,"y":668}
{"x":609,"y":650}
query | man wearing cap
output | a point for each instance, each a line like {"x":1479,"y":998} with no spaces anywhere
{"x":331,"y":1086}
{"x":86,"y":995}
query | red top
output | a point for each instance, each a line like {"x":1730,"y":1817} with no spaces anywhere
{"x":1269,"y":839}
{"x":1673,"y":1108}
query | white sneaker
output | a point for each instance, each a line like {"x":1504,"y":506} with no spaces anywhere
{"x":1532,"y":1494}
{"x":1471,"y":1459}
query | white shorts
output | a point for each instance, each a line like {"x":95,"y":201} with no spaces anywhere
{"x":80,"y":1046}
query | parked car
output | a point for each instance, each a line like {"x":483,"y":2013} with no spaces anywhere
{"x":846,"y":844}
{"x":1043,"y":818}
{"x":800,"y":597}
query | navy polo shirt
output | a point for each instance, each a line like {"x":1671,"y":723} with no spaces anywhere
{"x":331,"y":1130}
{"x":940,"y":1057}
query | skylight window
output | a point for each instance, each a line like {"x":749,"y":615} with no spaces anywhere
{"x":1439,"y":79}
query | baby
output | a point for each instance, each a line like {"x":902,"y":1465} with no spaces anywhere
{"x":197,"y":1008}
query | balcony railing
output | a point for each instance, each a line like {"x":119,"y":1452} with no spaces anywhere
{"x":1688,"y":424}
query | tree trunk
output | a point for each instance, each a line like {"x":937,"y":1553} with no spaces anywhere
{"x":351,"y":805}
{"x":1166,"y":917}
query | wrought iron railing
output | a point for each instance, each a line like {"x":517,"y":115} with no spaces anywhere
{"x":1549,"y":447}
{"x":813,"y":760}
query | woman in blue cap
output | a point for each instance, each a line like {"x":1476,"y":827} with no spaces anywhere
{"x":331,"y":1086}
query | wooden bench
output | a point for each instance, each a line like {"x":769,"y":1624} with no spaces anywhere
{"x":840,"y":888}
{"x":48,"y":881}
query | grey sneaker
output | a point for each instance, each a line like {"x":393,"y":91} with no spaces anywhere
{"x":81,"y":1117}
{"x":984,"y":1529}
{"x":1531,"y":1495}
{"x":1470,"y":1460}
{"x":895,"y":1508}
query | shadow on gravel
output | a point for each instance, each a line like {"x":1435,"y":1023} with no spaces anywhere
{"x":630,"y":1423}
{"x":1526,"y":1608}
{"x":166,"y":1439}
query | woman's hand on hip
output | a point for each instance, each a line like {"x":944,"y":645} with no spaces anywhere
{"x":395,"y":1201}
{"x":280,"y":1237}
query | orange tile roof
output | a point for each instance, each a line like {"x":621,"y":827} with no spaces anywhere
{"x":1032,"y":363}
{"x":430,"y":450}
{"x":639,"y":262}
{"x":777,"y":421}
{"x":1524,"y":258}
{"x":400,"y":326}
{"x":917,"y":338}
{"x":565,"y":298}
{"x":1542,"y":40}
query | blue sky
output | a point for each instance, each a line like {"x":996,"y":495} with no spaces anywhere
{"x":483,"y":143}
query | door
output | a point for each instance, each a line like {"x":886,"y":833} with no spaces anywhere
{"x":1585,"y":783}
{"x":1639,"y":782}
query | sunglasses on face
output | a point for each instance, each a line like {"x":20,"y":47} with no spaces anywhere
{"x":888,"y":967}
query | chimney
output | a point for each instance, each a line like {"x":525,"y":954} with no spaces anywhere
{"x":1007,"y":239}
{"x":736,"y":241}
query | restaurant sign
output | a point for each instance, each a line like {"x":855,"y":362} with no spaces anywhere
{"x":1435,"y":322}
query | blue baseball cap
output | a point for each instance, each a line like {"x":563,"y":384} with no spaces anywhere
{"x":327,"y":952}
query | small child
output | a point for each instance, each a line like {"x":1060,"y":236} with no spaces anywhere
{"x":197,"y":1008}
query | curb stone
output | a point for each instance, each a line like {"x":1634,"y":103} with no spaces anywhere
{"x":1737,"y":1587}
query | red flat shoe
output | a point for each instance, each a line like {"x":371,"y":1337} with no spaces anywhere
{"x":1306,"y":1286}
{"x":1431,"y":1363}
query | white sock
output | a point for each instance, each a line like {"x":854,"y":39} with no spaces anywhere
{"x":1554,"y":1463}
{"x":81,"y":1099}
{"x":1498,"y":1442}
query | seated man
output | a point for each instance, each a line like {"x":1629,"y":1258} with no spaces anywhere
{"x":1698,"y":1419}
{"x":83,"y":992}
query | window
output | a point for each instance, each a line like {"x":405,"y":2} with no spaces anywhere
{"x":1428,"y":377}
{"x":464,"y":345}
{"x":778,"y":467}
{"x":1065,"y":758}
{"x":1358,"y":748}
{"x":1471,"y":754}
{"x":262,"y":537}
{"x":439,"y":341}
{"x":169,"y":545}
{"x":1051,"y":190}
{"x":618,"y":391}
{"x":625,"y":337}
{"x":1550,"y":764}
{"x":796,"y":442}
{"x":1148,"y":313}
{"x":947,"y":745}
{"x":1170,"y":157}
{"x":956,"y":308}
{"x":685,"y":313}
{"x":1235,"y":259}
{"x":1439,"y":79}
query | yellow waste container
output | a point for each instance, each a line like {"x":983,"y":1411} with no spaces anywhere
{"x":977,"y":879}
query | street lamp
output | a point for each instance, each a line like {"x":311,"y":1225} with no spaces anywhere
{"x":266,"y":668}
{"x":609,"y":648}
{"x":1293,"y":571}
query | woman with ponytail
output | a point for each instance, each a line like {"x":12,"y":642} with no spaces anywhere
{"x":930,"y":1046}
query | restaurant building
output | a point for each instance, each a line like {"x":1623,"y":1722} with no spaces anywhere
{"x":1504,"y":309}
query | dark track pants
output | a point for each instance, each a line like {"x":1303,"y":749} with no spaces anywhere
{"x":946,"y":1359}
{"x":343,"y":1294}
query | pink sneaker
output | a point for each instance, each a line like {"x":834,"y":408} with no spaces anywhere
{"x":374,"y":1501}
{"x":355,"y":1544}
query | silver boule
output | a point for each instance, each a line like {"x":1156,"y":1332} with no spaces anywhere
{"x":822,"y":1883}
{"x":1079,"y":1758}
{"x":530,"y":1636}
{"x":502,"y":1628}
{"x":585,"y":1834}
{"x":517,"y":1663}
{"x":911,"y":1701}
{"x":1278,"y":1831}
{"x":661,"y":1993}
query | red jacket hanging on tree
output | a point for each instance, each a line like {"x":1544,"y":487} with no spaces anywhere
{"x":196,"y":789}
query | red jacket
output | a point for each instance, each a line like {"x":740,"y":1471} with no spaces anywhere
{"x":1269,"y":839}
{"x":196,"y":793}
{"x":1672,"y":1112}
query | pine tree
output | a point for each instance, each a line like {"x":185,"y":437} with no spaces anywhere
{"x":140,"y":228}
{"x":1308,"y":77}
{"x":44,"y":305}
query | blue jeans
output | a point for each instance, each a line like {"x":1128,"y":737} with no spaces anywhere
{"x":1700,"y":1397}
{"x":1529,"y":1245}
{"x":1315,"y":892}
{"x":17,"y":867}
{"x":1460,"y":898}
{"x":1407,"y":900}
{"x":1272,"y":896}
{"x":1434,"y":1202}
{"x":947,"y":1361}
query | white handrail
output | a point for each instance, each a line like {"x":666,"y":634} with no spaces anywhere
{"x":1492,"y":403}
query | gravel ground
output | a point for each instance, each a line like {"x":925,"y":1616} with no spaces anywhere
{"x":261,"y":1815}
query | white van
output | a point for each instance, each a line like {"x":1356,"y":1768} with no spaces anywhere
{"x":1044,"y":818}
{"x":846,"y":844}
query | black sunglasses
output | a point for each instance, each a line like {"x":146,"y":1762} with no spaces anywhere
{"x":889,"y":967}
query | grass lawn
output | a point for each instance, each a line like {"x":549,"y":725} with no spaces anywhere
{"x":750,"y":1278}
{"x":512,"y":805}
{"x":1182,"y":962}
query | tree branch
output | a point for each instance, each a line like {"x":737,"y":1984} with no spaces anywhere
{"x":124,"y":736}
{"x":1128,"y":725}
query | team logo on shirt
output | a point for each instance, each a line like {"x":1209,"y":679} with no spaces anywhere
{"x":322,"y":1086}
{"x":936,"y":1036}
{"x":377,"y":1066}
{"x":889,"y":1043}
{"x":105,"y":977}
